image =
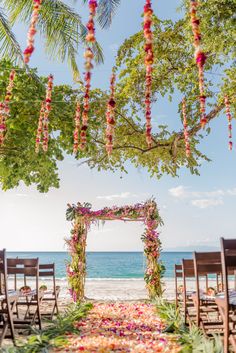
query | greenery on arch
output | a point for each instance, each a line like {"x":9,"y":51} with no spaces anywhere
{"x":82,"y":216}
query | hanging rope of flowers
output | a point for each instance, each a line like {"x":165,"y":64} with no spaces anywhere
{"x":110,"y":116}
{"x":4,"y":107}
{"x":40,"y":128}
{"x":149,"y":58}
{"x":88,"y":55}
{"x":47,"y":110}
{"x":229,"y":117}
{"x":185,"y":124}
{"x":32,"y":30}
{"x":200,"y":57}
{"x":43,"y":118}
{"x":77,"y":128}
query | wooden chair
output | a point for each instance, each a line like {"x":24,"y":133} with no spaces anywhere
{"x":8,"y":300}
{"x":178,"y":295}
{"x":227,"y":301}
{"x":27,"y":268}
{"x":50,"y":296}
{"x":206,"y":265}
{"x":188,"y":273}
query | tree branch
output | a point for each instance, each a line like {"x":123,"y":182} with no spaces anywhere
{"x":173,"y":144}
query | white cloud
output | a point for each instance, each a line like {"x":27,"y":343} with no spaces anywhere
{"x":179,"y":192}
{"x":122,"y":195}
{"x":22,"y":195}
{"x":232,"y":192}
{"x":205,"y":203}
{"x":201,"y":199}
{"x":184,"y":192}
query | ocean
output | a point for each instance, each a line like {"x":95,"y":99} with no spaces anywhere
{"x":104,"y":265}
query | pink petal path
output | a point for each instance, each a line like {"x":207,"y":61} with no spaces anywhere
{"x":121,"y":327}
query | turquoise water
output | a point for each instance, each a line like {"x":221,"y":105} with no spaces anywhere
{"x":107,"y":264}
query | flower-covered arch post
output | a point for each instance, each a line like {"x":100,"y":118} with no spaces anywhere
{"x":82,"y":216}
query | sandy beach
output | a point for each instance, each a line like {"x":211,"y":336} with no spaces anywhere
{"x":115,"y":289}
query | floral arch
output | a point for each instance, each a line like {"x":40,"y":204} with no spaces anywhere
{"x":82,"y":216}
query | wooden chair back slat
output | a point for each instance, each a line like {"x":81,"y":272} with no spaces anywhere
{"x":23,"y":262}
{"x":47,"y":270}
{"x":27,"y":271}
{"x":209,"y":257}
{"x":188,"y":268}
{"x":47,"y":266}
{"x":208,"y":269}
{"x":178,"y":271}
{"x":178,"y":267}
{"x":46,"y":273}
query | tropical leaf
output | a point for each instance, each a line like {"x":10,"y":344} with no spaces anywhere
{"x":106,"y":11}
{"x":9,"y":47}
{"x":61,"y":27}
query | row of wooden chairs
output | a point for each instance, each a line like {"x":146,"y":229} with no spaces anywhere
{"x":16,"y":301}
{"x":211,"y":304}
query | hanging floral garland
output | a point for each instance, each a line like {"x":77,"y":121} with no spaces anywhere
{"x":43,"y":117}
{"x":88,"y":55}
{"x":77,"y":128}
{"x":32,"y":30}
{"x":149,"y":58}
{"x":48,"y":102}
{"x":4,"y":107}
{"x":110,"y":116}
{"x":84,"y":127}
{"x":185,"y":123}
{"x":200,"y":57}
{"x":229,"y":116}
{"x":40,"y":127}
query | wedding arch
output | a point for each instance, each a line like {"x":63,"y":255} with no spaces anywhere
{"x":82,"y":216}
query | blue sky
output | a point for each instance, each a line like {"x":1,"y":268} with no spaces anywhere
{"x":196,"y":210}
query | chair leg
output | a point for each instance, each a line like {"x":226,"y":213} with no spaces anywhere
{"x":40,"y":320}
{"x":39,"y":316}
{"x":57,"y":307}
{"x":226,"y":340}
{"x":4,"y":331}
{"x":53,"y":310}
{"x":11,"y":325}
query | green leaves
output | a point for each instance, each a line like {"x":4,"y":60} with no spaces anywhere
{"x":54,"y":334}
{"x":106,"y":11}
{"x":192,"y":339}
{"x":59,"y":24}
{"x":9,"y":47}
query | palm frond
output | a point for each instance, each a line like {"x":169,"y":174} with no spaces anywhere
{"x":9,"y":47}
{"x":106,"y":11}
{"x":59,"y":24}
